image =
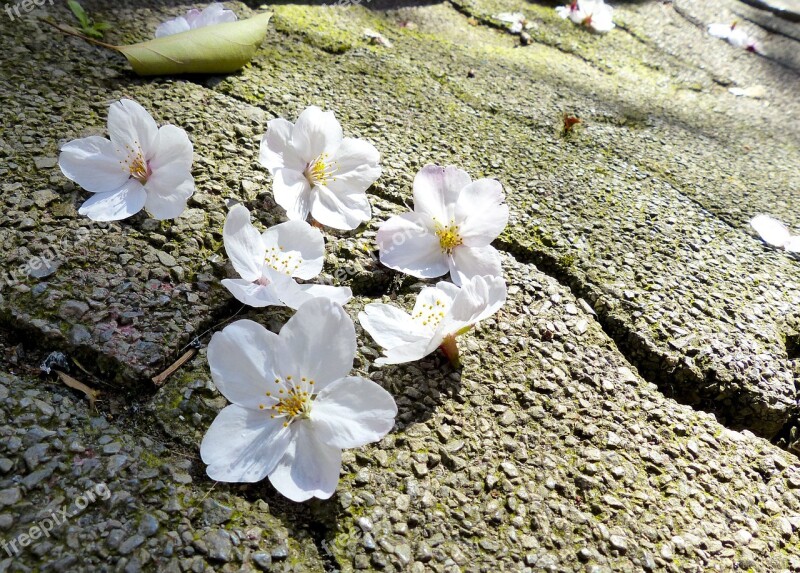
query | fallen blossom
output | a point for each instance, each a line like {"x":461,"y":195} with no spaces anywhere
{"x":775,"y":233}
{"x":269,"y":262}
{"x":213,"y":14}
{"x":140,"y":166}
{"x":450,"y":230}
{"x":294,"y":406}
{"x":440,"y":314}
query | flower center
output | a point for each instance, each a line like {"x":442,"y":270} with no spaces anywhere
{"x":321,"y":170}
{"x":291,"y":401}
{"x":136,"y":164}
{"x":282,"y":262}
{"x":449,"y":237}
{"x":430,"y":315}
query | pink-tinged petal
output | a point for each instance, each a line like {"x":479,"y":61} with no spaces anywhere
{"x":292,"y":192}
{"x":357,"y":166}
{"x":132,"y":128}
{"x":390,"y":326}
{"x":115,"y":205}
{"x":344,"y":211}
{"x":241,"y":359}
{"x":436,"y":191}
{"x":305,"y":292}
{"x":408,"y":244}
{"x":243,"y":445}
{"x":478,"y":299}
{"x":276,"y":150}
{"x":213,"y":14}
{"x":243,"y":244}
{"x":309,"y":468}
{"x":170,"y":27}
{"x":352,"y":412}
{"x":295,"y":247}
{"x":481,"y":213}
{"x":316,"y":132}
{"x":173,"y":150}
{"x":321,"y":342}
{"x":467,"y":262}
{"x":252,"y":294}
{"x":94,"y":164}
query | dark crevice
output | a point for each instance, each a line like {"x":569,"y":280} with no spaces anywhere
{"x":690,"y":385}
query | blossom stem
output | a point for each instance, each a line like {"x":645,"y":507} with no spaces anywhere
{"x":450,"y":349}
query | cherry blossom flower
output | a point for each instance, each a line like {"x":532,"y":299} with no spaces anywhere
{"x":267,"y":262}
{"x":594,"y":14}
{"x":775,"y":233}
{"x":293,"y":406}
{"x":453,"y":222}
{"x":141,"y":166}
{"x":734,"y":35}
{"x":517,"y":20}
{"x":214,"y":14}
{"x":440,"y":314}
{"x":317,"y":171}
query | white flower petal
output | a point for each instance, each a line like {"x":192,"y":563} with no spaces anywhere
{"x":243,"y":244}
{"x":309,"y":468}
{"x":295,"y":243}
{"x":276,"y":150}
{"x":321,"y":341}
{"x":352,"y":412}
{"x":719,"y":30}
{"x":467,"y":262}
{"x":407,"y":352}
{"x":771,"y":231}
{"x":94,"y":164}
{"x":213,"y":14}
{"x":316,"y":132}
{"x":793,"y":245}
{"x":171,"y":183}
{"x":305,"y":292}
{"x":481,"y":213}
{"x":356,"y":166}
{"x":115,"y":205}
{"x":408,"y":244}
{"x":252,"y":294}
{"x":292,"y":192}
{"x":243,"y":445}
{"x":390,"y":326}
{"x":478,"y":299}
{"x":346,"y":210}
{"x":436,"y":190}
{"x":242,"y":361}
{"x":131,"y":127}
{"x":173,"y":150}
{"x":170,"y":27}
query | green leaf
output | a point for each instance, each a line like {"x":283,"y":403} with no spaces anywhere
{"x":79,"y":12}
{"x":216,"y":49}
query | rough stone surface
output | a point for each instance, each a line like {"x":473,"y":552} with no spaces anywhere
{"x":577,"y":437}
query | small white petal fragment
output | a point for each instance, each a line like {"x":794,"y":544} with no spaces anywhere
{"x":775,"y":233}
{"x":317,"y":171}
{"x":377,"y":38}
{"x":139,"y":166}
{"x":294,"y":406}
{"x":734,"y":35}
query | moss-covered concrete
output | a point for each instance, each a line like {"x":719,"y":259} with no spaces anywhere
{"x":633,"y":257}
